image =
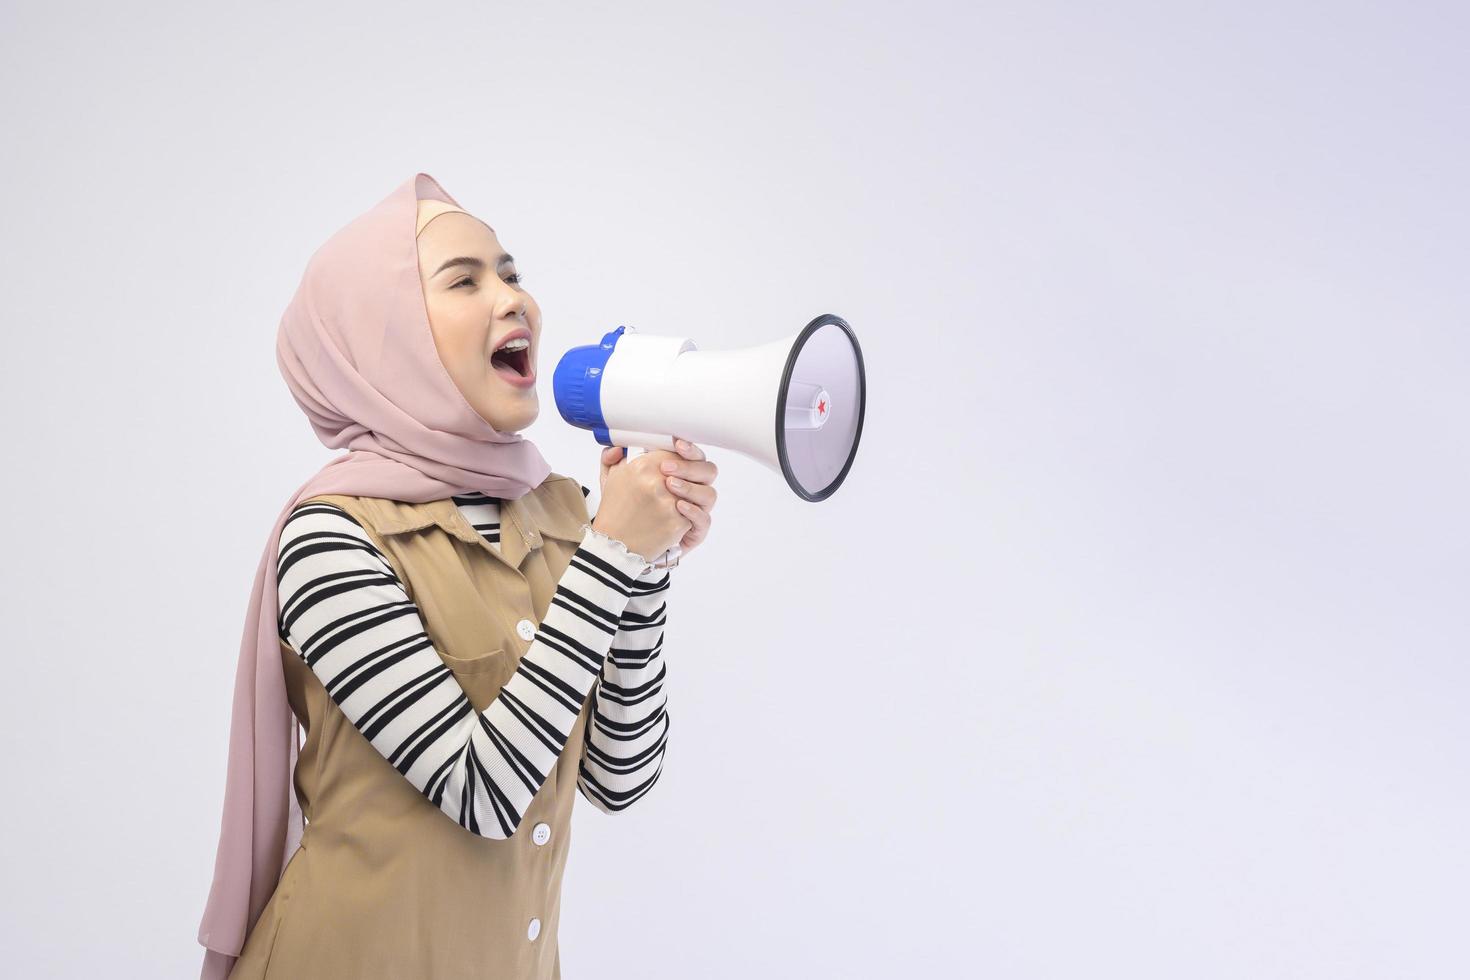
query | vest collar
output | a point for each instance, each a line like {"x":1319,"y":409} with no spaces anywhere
{"x":524,"y":521}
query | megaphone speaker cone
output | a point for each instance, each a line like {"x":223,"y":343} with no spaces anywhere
{"x":821,"y":399}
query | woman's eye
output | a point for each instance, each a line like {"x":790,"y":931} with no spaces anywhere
{"x":514,"y":279}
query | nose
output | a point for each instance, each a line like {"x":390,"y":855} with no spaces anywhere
{"x":512,"y":303}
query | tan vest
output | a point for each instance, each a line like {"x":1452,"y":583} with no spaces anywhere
{"x":386,"y":885}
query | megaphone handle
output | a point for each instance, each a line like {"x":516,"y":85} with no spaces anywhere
{"x":646,"y":440}
{"x":669,"y":558}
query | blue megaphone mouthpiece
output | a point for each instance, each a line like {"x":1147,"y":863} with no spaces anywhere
{"x":577,"y":384}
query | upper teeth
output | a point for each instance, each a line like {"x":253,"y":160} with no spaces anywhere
{"x":519,"y":343}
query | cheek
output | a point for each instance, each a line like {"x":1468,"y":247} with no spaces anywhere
{"x":461,"y":340}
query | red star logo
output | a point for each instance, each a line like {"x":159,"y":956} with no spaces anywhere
{"x":822,"y":407}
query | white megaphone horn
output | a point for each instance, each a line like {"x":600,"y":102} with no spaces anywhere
{"x":795,"y":405}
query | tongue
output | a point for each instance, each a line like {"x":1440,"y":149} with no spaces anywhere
{"x":501,"y":363}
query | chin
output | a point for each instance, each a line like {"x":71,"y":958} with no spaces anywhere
{"x":510,"y":420}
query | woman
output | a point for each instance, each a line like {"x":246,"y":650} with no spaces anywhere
{"x":466,"y":649}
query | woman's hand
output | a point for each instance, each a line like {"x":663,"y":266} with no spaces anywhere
{"x":611,"y":456}
{"x":692,"y":480}
{"x":696,"y":497}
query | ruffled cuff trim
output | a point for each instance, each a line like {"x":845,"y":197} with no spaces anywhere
{"x":619,"y":547}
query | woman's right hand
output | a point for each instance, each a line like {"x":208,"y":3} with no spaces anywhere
{"x":637,"y":507}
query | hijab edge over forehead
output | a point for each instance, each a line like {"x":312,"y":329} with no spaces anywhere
{"x":429,"y":209}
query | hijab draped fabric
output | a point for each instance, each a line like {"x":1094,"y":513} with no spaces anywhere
{"x":355,"y":348}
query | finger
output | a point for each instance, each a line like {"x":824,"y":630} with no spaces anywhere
{"x":700,"y":494}
{"x":698,"y":518}
{"x":688,"y":449}
{"x":695,"y":471}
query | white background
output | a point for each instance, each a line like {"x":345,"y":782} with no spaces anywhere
{"x":1134,"y":645}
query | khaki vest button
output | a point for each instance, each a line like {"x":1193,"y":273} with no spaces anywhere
{"x":526,"y":629}
{"x":541,"y":833}
{"x":534,"y":930}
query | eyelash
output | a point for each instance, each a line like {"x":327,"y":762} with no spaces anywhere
{"x":514,"y":279}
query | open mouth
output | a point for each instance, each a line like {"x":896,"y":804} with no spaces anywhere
{"x":514,"y":362}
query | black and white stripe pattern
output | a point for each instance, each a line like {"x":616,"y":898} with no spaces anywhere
{"x":344,"y":610}
{"x":623,"y":754}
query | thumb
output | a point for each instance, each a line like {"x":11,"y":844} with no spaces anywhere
{"x":610,"y":457}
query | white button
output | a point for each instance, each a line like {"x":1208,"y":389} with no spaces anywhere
{"x":542,"y":833}
{"x":534,"y":929}
{"x":527,"y":629}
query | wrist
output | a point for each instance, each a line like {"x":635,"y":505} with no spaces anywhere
{"x":633,"y":562}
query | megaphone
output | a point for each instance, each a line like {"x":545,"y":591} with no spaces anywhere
{"x":794,"y":405}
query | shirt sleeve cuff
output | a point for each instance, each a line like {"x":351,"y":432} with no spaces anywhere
{"x":612,"y":550}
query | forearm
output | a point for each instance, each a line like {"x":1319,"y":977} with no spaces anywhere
{"x":481,"y":769}
{"x":628,"y":731}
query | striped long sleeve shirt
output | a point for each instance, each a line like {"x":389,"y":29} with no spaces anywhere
{"x":346,"y":612}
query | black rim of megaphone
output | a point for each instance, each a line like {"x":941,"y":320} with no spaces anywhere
{"x":795,"y":352}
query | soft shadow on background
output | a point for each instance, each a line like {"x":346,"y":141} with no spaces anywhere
{"x":1133,"y":645}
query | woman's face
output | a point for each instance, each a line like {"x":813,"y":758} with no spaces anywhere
{"x":475,"y":304}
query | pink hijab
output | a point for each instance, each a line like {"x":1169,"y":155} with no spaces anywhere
{"x":356,"y":351}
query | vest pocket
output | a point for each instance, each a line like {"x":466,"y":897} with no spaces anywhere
{"x":481,"y":676}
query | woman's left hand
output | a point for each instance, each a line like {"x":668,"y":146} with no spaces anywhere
{"x":689,"y":476}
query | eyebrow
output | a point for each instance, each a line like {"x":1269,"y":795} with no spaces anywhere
{"x":505,"y":258}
